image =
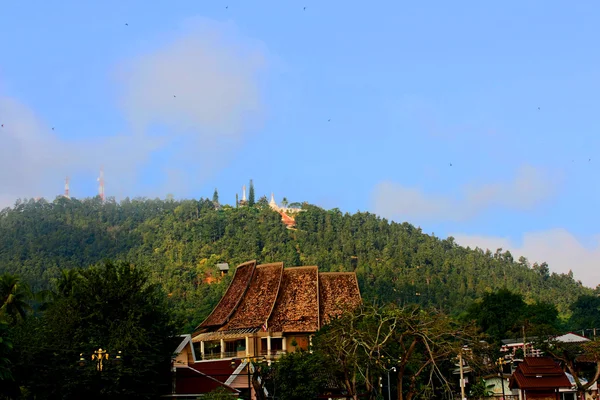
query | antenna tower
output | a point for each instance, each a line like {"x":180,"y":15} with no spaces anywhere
{"x":67,"y":188}
{"x":101,"y":186}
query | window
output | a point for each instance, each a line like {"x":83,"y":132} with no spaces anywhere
{"x":276,"y":344}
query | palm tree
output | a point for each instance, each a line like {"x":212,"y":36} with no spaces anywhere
{"x":14,"y":298}
{"x":64,"y":286}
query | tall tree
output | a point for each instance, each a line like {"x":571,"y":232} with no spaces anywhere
{"x":251,"y":198}
{"x":499,"y":314}
{"x":215,"y":197}
{"x":586,"y":312}
{"x":298,"y":376}
{"x":113,"y":307}
{"x":370,"y":341}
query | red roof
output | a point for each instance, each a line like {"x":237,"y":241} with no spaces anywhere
{"x":287,"y":220}
{"x":218,"y":369}
{"x":539,"y":373}
{"x":189,"y":380}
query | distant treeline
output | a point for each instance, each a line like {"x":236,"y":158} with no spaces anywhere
{"x":182,"y":241}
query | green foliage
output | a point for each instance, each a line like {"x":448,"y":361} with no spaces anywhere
{"x":503,"y":314}
{"x":481,"y":389}
{"x":5,"y":351}
{"x":251,"y":195}
{"x":14,"y":298}
{"x":299,"y":375}
{"x":215,"y":197}
{"x":586,"y":312}
{"x":219,"y":394}
{"x":181,"y":241}
{"x":113,"y":307}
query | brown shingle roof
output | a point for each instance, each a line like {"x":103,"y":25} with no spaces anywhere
{"x":298,"y":299}
{"x":297,"y":307}
{"x":257,"y":304}
{"x":539,"y":373}
{"x":338,"y":291}
{"x":232,"y":297}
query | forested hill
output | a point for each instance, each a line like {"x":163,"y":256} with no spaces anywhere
{"x":181,"y":241}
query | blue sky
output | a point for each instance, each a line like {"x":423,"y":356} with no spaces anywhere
{"x":342,"y":104}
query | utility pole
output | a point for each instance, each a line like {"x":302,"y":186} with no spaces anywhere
{"x":462,"y":377}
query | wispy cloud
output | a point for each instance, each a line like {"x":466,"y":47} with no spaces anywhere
{"x":529,"y":187}
{"x":33,"y":160}
{"x":201,"y":88}
{"x":558,"y":247}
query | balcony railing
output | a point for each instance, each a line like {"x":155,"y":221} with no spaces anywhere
{"x":211,"y":356}
{"x":217,"y":356}
{"x":273,"y":352}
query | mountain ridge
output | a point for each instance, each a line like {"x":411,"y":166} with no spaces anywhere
{"x":182,"y":241}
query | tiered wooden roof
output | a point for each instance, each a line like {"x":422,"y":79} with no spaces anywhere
{"x":297,"y":308}
{"x":232,"y":297}
{"x":297,"y":299}
{"x":338,"y":291}
{"x":539,"y":373}
{"x":257,"y":304}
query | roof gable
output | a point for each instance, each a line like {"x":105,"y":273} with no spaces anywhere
{"x":570,"y":338}
{"x":232,"y":297}
{"x":297,"y":307}
{"x":256,"y":306}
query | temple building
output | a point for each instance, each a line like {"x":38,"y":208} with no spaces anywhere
{"x":267,"y":311}
{"x":287,"y":213}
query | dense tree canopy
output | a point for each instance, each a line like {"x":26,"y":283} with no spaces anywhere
{"x":181,"y":242}
{"x":112,"y":307}
{"x":503,"y":314}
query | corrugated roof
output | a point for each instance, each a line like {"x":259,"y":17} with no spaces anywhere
{"x":232,"y":297}
{"x":539,"y":373}
{"x":258,"y":302}
{"x":297,"y":307}
{"x":338,"y":291}
{"x":570,"y":338}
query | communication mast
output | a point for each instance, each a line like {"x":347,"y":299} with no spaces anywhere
{"x":67,"y":188}
{"x":101,"y":186}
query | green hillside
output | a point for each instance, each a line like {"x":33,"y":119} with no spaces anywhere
{"x":181,"y":241}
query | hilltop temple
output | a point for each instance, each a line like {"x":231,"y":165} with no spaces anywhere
{"x":287,"y":213}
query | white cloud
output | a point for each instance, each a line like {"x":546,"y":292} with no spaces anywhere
{"x":529,"y":187}
{"x":33,"y":161}
{"x":214,"y":74}
{"x":558,"y":247}
{"x":203,"y":87}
